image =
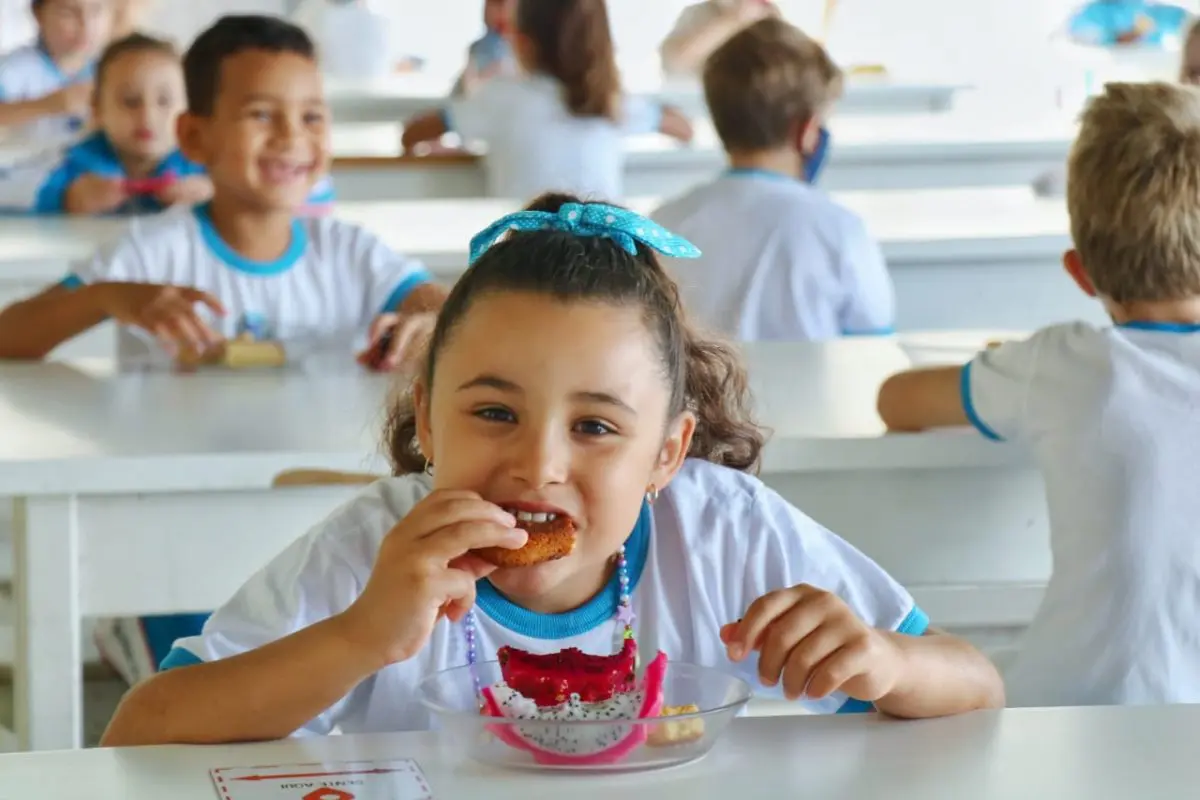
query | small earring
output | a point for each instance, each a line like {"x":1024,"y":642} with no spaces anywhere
{"x":429,"y":467}
{"x":652,"y":494}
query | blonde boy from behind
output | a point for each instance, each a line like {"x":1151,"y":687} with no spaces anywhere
{"x":781,"y":259}
{"x":1110,"y":415}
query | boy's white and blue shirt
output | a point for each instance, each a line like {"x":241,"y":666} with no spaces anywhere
{"x":714,"y":541}
{"x":781,"y":261}
{"x":332,"y":281}
{"x":1112,"y":417}
{"x":29,"y":73}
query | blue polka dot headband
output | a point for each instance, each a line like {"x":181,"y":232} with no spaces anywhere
{"x":624,"y":227}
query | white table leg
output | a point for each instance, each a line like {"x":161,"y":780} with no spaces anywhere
{"x":48,"y":679}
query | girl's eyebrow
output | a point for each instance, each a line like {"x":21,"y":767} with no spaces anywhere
{"x":504,"y":385}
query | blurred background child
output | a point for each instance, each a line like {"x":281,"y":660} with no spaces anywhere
{"x":45,"y":87}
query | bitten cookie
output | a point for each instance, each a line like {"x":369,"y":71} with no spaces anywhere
{"x":547,"y":541}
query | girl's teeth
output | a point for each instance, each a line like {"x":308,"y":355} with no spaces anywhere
{"x":534,"y":516}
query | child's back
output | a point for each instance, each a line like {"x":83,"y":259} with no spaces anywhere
{"x":780,"y":259}
{"x":561,"y":125}
{"x":1110,"y":415}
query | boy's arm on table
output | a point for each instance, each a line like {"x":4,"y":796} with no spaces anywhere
{"x":263,"y":694}
{"x":923,"y":398}
{"x":31,"y":328}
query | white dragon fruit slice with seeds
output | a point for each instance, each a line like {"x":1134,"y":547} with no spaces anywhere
{"x":552,"y":741}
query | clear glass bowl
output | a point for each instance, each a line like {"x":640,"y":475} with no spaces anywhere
{"x":464,"y":732}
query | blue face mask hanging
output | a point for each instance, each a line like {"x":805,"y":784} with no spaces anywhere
{"x":815,"y":161}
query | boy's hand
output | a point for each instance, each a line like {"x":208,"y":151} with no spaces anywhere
{"x":397,"y":341}
{"x":167,"y":312}
{"x":813,"y":641}
{"x":190,"y":191}
{"x":74,"y":100}
{"x":424,"y":571}
{"x":95,"y":194}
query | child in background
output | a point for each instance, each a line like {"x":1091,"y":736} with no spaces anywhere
{"x":1109,"y":413}
{"x":781,"y":259}
{"x":183,"y":283}
{"x":139,"y":94}
{"x":45,"y":88}
{"x":490,"y":55}
{"x":704,"y":27}
{"x":561,"y":125}
{"x":562,"y":378}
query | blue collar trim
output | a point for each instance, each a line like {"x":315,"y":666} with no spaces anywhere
{"x":590,"y":615}
{"x":223,"y":251}
{"x":1162,"y":327}
{"x":86,"y":73}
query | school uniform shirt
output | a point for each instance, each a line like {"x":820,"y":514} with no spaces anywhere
{"x":29,"y":73}
{"x":535,"y":145}
{"x":1111,"y":416}
{"x":714,"y":542}
{"x":332,"y":281}
{"x":780,"y":261}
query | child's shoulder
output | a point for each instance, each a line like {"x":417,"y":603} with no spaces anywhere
{"x":330,"y":238}
{"x":358,"y":526}
{"x":22,"y":57}
{"x":710,"y":505}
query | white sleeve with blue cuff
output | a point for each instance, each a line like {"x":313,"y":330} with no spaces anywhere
{"x":388,"y":277}
{"x":995,"y":387}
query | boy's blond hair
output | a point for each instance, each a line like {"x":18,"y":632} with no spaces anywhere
{"x":1133,"y":192}
{"x":764,"y":81}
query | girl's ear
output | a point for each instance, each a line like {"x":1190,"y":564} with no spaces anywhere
{"x":424,"y":431}
{"x":674,"y":449}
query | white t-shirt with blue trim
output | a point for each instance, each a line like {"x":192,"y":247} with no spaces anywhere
{"x":535,"y":145}
{"x":29,"y":73}
{"x":714,"y":542}
{"x":781,"y":261}
{"x":334,"y":279}
{"x":1112,"y":416}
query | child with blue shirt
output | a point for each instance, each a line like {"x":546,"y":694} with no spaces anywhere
{"x":782,"y":260}
{"x":45,"y":87}
{"x":131,"y":163}
{"x":1109,"y":414}
{"x":561,"y":124}
{"x":562,"y":379}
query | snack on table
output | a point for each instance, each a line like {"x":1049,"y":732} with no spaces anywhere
{"x":666,"y":734}
{"x":548,"y":540}
{"x":570,"y":686}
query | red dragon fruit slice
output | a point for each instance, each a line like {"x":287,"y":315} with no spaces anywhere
{"x":550,"y":738}
{"x":550,"y":679}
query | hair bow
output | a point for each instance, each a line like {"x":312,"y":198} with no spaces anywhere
{"x":589,"y":219}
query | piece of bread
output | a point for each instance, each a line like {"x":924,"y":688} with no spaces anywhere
{"x":547,"y":542}
{"x":665,"y":734}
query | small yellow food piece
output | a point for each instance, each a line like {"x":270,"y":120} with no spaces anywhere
{"x":666,"y":734}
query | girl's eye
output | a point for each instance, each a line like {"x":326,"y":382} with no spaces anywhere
{"x":260,"y":115}
{"x":496,"y":414}
{"x":591,"y":427}
{"x":314,"y":118}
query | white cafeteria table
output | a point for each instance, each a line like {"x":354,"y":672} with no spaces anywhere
{"x":151,"y":492}
{"x":912,"y":151}
{"x":1017,"y":754}
{"x":960,"y":258}
{"x":396,"y":97}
